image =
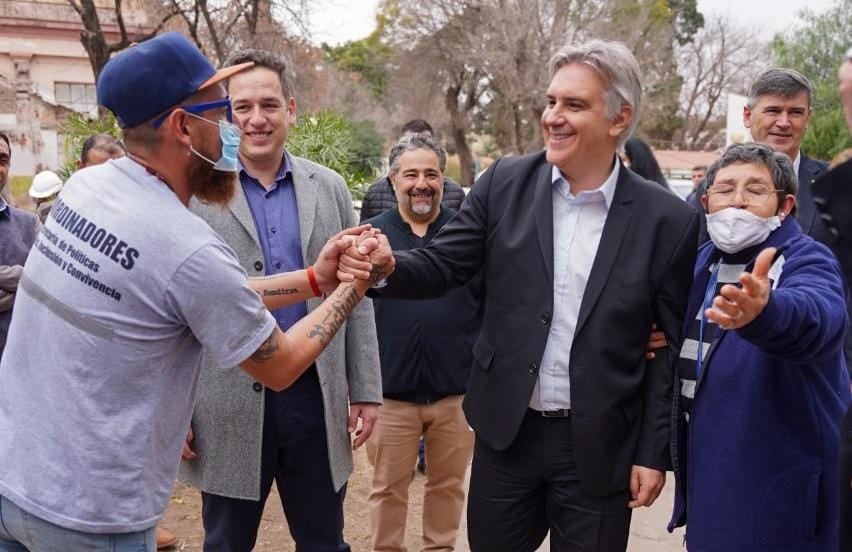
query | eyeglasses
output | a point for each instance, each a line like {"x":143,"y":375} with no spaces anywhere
{"x":198,"y":108}
{"x":753,"y":194}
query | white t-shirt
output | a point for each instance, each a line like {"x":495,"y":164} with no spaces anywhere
{"x":121,"y":291}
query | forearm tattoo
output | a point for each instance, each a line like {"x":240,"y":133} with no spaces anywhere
{"x":377,"y":274}
{"x":267,"y":349}
{"x":280,"y":291}
{"x":272,"y":292}
{"x":336,"y":315}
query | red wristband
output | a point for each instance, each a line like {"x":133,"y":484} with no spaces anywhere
{"x":313,"y":280}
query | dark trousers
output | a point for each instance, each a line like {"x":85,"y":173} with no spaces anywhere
{"x":845,"y":516}
{"x":295,"y":455}
{"x":517,"y":495}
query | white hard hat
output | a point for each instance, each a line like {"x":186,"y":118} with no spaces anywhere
{"x":45,"y":184}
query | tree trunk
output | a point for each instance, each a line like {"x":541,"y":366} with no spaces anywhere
{"x":537,"y":142}
{"x":459,"y":128}
{"x":518,"y":128}
{"x":92,"y":37}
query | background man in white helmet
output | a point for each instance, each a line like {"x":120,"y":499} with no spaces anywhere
{"x":43,"y":190}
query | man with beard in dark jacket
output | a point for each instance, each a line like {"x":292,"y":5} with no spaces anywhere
{"x":426,"y":355}
{"x":380,"y":196}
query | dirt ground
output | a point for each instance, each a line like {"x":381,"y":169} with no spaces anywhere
{"x":183,"y":517}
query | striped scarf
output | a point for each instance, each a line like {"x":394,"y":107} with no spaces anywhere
{"x":688,"y":361}
{"x":687,"y":364}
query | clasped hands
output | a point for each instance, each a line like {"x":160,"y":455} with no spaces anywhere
{"x":358,"y":253}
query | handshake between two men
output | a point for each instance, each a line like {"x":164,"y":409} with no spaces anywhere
{"x":350,"y":263}
{"x":360,"y":256}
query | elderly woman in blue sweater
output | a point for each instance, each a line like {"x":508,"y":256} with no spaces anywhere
{"x":762,"y":380}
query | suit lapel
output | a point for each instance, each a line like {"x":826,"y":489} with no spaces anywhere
{"x":543,"y":209}
{"x":804,"y":200}
{"x":806,"y":212}
{"x":615,"y":228}
{"x":242,"y":212}
{"x":306,"y":200}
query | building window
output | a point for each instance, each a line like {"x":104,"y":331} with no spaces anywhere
{"x":80,"y":97}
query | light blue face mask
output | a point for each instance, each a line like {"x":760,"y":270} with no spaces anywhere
{"x":229,"y":134}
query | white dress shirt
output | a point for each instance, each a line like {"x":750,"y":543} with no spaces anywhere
{"x":578,"y":222}
{"x":797,"y":162}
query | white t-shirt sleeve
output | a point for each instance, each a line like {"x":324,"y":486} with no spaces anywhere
{"x":210,"y":293}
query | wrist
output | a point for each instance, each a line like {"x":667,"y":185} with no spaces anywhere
{"x":316,"y":288}
{"x":361,"y":286}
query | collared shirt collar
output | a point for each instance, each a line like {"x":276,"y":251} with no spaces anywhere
{"x":607,"y":189}
{"x":284,"y":170}
{"x":4,"y":207}
{"x":797,"y":162}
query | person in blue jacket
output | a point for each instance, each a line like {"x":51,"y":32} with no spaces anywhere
{"x":762,"y":378}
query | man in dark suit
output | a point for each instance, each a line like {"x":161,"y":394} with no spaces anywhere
{"x":777,"y":113}
{"x":833,"y":198}
{"x":579,"y":257}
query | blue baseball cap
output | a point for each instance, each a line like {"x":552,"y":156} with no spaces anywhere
{"x":149,"y":78}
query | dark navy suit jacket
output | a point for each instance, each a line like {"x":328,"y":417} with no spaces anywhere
{"x":809,"y":219}
{"x":621,"y":405}
{"x":832,"y":194}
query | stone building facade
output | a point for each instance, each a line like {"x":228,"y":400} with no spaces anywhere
{"x":45,"y":75}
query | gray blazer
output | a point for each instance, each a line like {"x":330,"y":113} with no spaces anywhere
{"x":228,"y":416}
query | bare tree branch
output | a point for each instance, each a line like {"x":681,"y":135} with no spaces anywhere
{"x":76,"y":6}
{"x":716,"y":63}
{"x":119,"y":17}
{"x":212,"y":30}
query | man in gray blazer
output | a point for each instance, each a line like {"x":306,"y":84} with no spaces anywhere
{"x":244,"y":436}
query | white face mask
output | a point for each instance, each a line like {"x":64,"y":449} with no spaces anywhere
{"x":733,"y":229}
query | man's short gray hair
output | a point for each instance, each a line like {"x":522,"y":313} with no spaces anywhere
{"x":618,"y":69}
{"x":413,"y":142}
{"x":785,"y":83}
{"x":780,"y":167}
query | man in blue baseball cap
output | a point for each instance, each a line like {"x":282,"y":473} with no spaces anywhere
{"x":122,"y":290}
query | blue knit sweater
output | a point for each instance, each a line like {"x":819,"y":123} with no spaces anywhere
{"x":756,"y":464}
{"x":18,"y":231}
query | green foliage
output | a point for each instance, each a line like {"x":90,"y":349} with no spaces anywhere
{"x":327,"y":138}
{"x":453,"y":169}
{"x":369,"y":58}
{"x":76,"y":130}
{"x":367,"y":151}
{"x":827,"y":133}
{"x":19,"y":185}
{"x":323,"y":138}
{"x":682,"y":15}
{"x":659,"y":121}
{"x":815,"y":48}
{"x":687,"y":19}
